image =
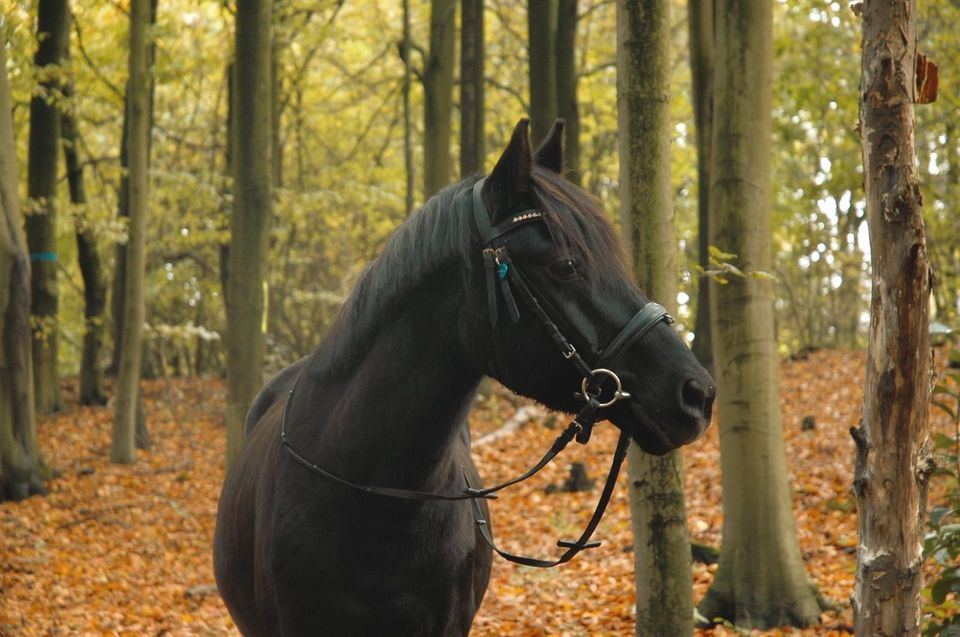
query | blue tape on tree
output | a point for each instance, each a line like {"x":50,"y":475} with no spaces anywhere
{"x":43,"y":256}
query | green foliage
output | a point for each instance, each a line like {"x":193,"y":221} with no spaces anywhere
{"x":723,"y":266}
{"x":942,"y":542}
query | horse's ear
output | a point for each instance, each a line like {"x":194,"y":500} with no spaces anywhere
{"x":507,"y":188}
{"x":550,"y":153}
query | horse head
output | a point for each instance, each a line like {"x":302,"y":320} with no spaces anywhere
{"x":558,"y":304}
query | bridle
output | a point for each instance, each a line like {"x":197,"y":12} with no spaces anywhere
{"x":502,"y":273}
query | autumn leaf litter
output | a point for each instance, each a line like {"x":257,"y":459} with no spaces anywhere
{"x":125,"y":550}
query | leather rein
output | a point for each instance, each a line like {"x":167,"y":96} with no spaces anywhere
{"x":502,"y":273}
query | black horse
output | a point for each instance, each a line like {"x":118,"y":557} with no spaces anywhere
{"x":384,"y":397}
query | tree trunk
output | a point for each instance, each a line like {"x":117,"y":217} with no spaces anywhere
{"x":19,"y":454}
{"x":407,"y":115}
{"x":541,"y":29}
{"x":118,"y":298}
{"x":250,"y":220}
{"x":892,"y":461}
{"x":92,"y":391}
{"x":565,"y":47}
{"x":438,"y":96}
{"x":41,"y":224}
{"x":700,"y":24}
{"x":131,"y":355}
{"x":760,"y":581}
{"x":277,"y":102}
{"x":661,"y":542}
{"x":118,"y":291}
{"x":471,"y":88}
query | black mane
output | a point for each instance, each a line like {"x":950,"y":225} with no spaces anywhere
{"x":442,"y":233}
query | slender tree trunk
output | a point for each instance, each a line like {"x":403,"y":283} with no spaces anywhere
{"x":541,"y":30}
{"x":760,"y":581}
{"x":276,"y":88}
{"x":949,"y":302}
{"x":19,"y":454}
{"x":892,"y":461}
{"x":41,"y":224}
{"x":700,"y":24}
{"x":92,"y":391}
{"x":250,"y":221}
{"x":471,"y":88}
{"x":131,"y":356}
{"x":565,"y":47}
{"x":661,"y":542}
{"x":118,"y":287}
{"x":438,"y":96}
{"x":407,"y":116}
{"x":118,"y":291}
{"x":223,"y":254}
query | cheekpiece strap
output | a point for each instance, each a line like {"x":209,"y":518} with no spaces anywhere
{"x":496,"y":260}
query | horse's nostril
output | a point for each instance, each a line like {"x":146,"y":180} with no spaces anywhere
{"x":698,"y":397}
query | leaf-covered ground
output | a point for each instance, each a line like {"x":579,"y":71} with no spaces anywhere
{"x":126,"y":549}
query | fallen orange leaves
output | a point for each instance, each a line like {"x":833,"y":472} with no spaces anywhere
{"x":125,"y":550}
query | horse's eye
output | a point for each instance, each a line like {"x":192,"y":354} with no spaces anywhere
{"x":564,"y":269}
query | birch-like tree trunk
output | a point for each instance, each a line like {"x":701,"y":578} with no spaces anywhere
{"x":252,"y":212}
{"x":438,"y":97}
{"x":892,"y":461}
{"x":123,"y":439}
{"x":19,"y":455}
{"x":760,"y":581}
{"x":41,"y":222}
{"x":661,"y":542}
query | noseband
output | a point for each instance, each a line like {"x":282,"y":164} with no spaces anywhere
{"x":504,"y":274}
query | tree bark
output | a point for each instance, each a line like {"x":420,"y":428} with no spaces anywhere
{"x":123,"y":439}
{"x":661,"y":542}
{"x":700,"y":25}
{"x":892,"y":460}
{"x":407,"y":115}
{"x":760,"y":581}
{"x":92,"y":391}
{"x":471,"y":88}
{"x":19,"y":453}
{"x":250,"y":220}
{"x":438,"y":96}
{"x":41,"y":223}
{"x":566,"y":86}
{"x":118,"y":291}
{"x":276,"y":101}
{"x":541,"y":30}
{"x":118,"y":298}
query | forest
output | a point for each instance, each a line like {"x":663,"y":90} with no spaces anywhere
{"x":193,"y":193}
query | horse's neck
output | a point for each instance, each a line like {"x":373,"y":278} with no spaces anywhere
{"x":392,"y":419}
